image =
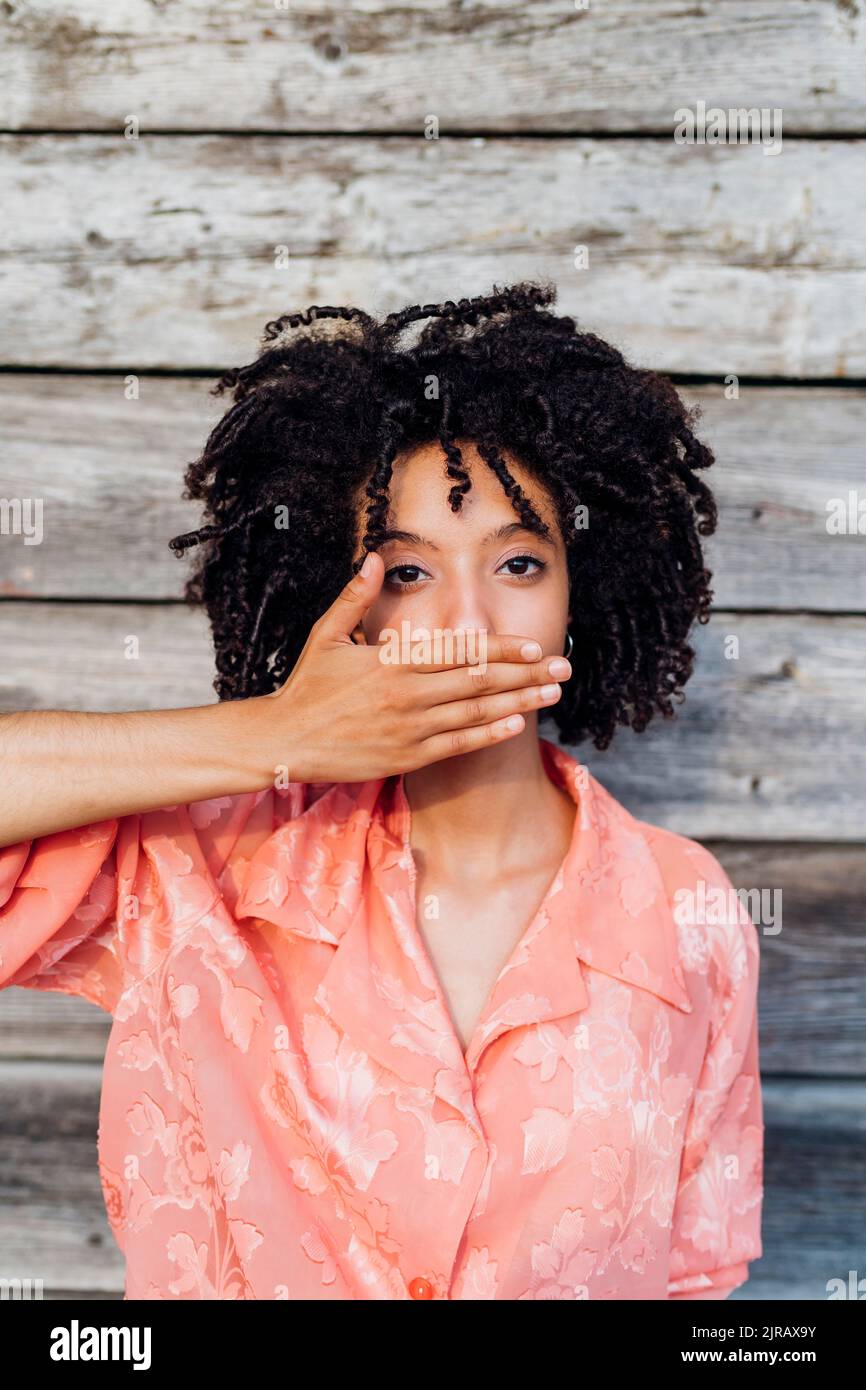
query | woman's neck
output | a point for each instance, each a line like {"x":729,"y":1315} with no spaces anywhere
{"x":495,"y":810}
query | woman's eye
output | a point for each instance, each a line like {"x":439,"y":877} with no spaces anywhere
{"x":403,"y":576}
{"x":521,"y":561}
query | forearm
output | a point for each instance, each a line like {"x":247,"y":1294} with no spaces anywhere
{"x":62,"y":769}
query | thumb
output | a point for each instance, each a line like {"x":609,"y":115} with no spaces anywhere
{"x":345,"y":613}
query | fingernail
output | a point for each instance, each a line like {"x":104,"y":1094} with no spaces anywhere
{"x":559,"y":667}
{"x":365,"y":568}
{"x":549,"y":692}
{"x":531,"y":650}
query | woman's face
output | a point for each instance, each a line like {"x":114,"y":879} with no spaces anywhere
{"x":478,"y":568}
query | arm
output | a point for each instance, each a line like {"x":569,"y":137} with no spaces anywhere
{"x":63,"y":769}
{"x":344,"y":714}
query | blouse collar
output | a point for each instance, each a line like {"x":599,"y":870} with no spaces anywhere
{"x":342,"y":873}
{"x":609,"y":887}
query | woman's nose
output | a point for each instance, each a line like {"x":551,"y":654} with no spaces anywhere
{"x":464,"y":626}
{"x":465,"y":617}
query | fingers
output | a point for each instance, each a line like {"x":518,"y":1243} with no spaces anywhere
{"x":345,"y":613}
{"x":474,"y":647}
{"x":465,"y":725}
{"x":456,"y":741}
{"x":489,"y":709}
{"x":462,"y":683}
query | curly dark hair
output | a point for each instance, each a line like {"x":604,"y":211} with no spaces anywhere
{"x":332,"y":399}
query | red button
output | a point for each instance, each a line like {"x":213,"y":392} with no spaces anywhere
{"x":421,"y":1288}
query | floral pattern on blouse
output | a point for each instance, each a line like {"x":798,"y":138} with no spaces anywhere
{"x":287,"y":1111}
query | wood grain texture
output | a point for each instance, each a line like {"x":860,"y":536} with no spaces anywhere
{"x":769,"y":745}
{"x":162,"y":252}
{"x":69,"y":656}
{"x":109,"y":473}
{"x":53,"y":1224}
{"x":383,"y":66}
{"x":45,"y":1025}
{"x":812,"y":995}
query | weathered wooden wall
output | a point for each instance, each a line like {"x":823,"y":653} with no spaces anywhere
{"x":304,"y":128}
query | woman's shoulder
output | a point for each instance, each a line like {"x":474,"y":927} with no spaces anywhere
{"x":227,"y":825}
{"x":713,"y":917}
{"x":684,"y":862}
{"x":235,"y":828}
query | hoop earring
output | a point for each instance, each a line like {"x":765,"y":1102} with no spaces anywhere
{"x":570,"y":647}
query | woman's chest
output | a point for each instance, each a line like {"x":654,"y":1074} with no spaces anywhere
{"x":470,"y":931}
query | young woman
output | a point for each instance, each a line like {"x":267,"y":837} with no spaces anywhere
{"x":405,"y":1004}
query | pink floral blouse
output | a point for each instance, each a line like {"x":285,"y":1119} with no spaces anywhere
{"x":286,"y":1108}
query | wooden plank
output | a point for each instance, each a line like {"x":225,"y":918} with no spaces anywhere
{"x":66,"y":656}
{"x":702,"y":259}
{"x":814,"y":1186}
{"x":385,"y":66}
{"x":53,"y":1224}
{"x":44,"y":1025}
{"x":785,"y":458}
{"x":767,"y":746}
{"x":109,"y":474}
{"x":813,"y":969}
{"x":812,"y":983}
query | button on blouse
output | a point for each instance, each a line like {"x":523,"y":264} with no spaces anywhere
{"x":286,"y":1108}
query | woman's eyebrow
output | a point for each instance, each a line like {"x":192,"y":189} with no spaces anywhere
{"x":501,"y":533}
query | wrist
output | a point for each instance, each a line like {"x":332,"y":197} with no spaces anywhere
{"x":234,"y":761}
{"x":247,"y":754}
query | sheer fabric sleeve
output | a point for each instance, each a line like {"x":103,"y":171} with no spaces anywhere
{"x":91,"y":910}
{"x":58,"y":909}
